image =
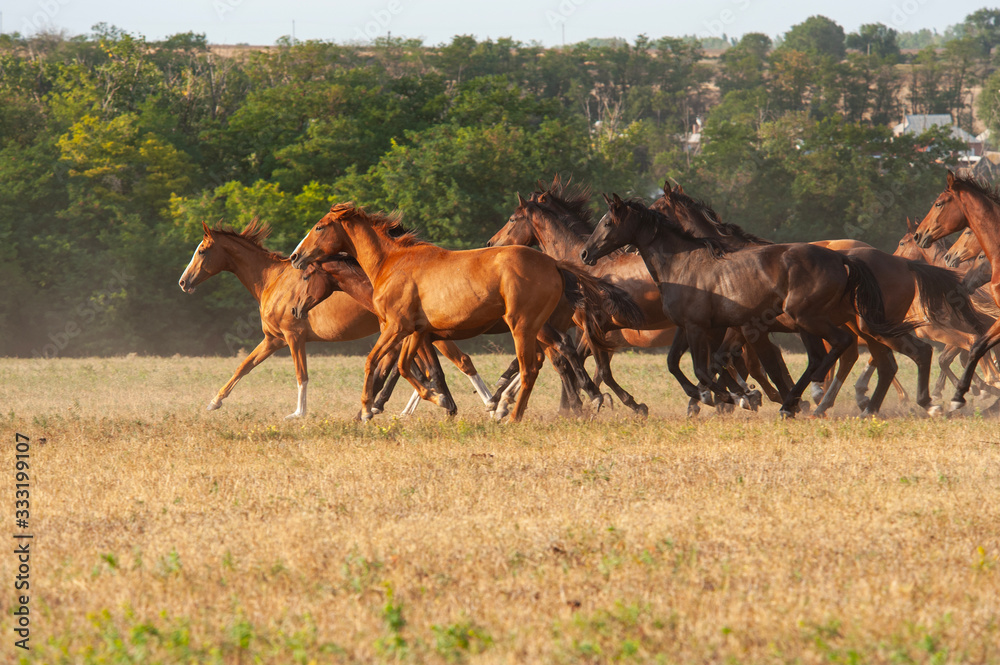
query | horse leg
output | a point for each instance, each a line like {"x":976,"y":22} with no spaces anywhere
{"x":392,"y":334}
{"x":945,"y":358}
{"x":463,"y":362}
{"x":700,"y":343}
{"x":844,"y":366}
{"x":603,"y":360}
{"x":774,"y":364}
{"x":266,"y":347}
{"x":501,"y":385}
{"x":297,"y":346}
{"x":861,"y":385}
{"x":820,"y":360}
{"x":416,"y":344}
{"x":921,"y":353}
{"x":885,"y":364}
{"x":524,"y":343}
{"x":979,"y":348}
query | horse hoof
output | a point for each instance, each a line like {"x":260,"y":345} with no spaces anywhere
{"x":215,"y":404}
{"x":376,"y":410}
{"x":786,"y":415}
{"x":706,"y":397}
{"x":957,"y":405}
{"x":817,"y":392}
{"x":366,"y":416}
{"x":598,"y":402}
{"x":693,"y":409}
{"x":293,"y":416}
{"x":756,"y":399}
{"x":935,"y":411}
{"x":804,"y":408}
{"x":863,"y":402}
{"x":642,"y":410}
{"x":868,"y":413}
{"x":744,"y":404}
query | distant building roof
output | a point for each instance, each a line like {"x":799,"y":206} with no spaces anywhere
{"x":918,"y":124}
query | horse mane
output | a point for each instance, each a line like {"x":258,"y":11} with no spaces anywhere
{"x":988,"y":190}
{"x":724,"y":228}
{"x":575,"y":199}
{"x":254,"y":234}
{"x":661,"y":219}
{"x":388,"y":225}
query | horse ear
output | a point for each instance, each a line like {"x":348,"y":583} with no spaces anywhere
{"x":679,"y":190}
{"x":617,"y":199}
{"x":951,"y":178}
{"x":520,"y":200}
{"x":208,"y":231}
{"x":607,"y":199}
{"x":909,"y":225}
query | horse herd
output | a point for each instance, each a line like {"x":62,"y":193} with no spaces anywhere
{"x":670,"y":274}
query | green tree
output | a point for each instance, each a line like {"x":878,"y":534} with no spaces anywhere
{"x":817,"y":34}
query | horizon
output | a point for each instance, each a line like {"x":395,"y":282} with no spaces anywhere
{"x":256,"y":23}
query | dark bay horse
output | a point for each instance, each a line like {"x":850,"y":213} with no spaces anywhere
{"x":707,"y":288}
{"x":913,"y":290}
{"x":420,"y":289}
{"x":966,"y":202}
{"x":270,"y":278}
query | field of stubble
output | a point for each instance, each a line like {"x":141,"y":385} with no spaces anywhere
{"x":168,"y":534}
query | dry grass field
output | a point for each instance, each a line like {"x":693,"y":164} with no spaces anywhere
{"x":168,"y":534}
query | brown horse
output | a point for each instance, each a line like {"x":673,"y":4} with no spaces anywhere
{"x":707,"y":288}
{"x":341,"y":273}
{"x":420,"y":289}
{"x":895,"y":277}
{"x":966,"y":248}
{"x":558,"y":220}
{"x":269,"y":278}
{"x":965,"y":202}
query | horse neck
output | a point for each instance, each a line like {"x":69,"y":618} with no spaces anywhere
{"x":357,"y":286}
{"x":368,"y":247}
{"x":983,"y":217}
{"x":556,"y":238}
{"x":254,"y":266}
{"x":667,"y":255}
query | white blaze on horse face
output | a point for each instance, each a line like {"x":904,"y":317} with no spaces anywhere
{"x":184,"y":275}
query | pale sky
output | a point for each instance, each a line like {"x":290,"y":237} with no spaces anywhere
{"x":262,"y":22}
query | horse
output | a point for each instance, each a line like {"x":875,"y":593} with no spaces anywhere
{"x":966,"y":202}
{"x":341,"y":273}
{"x":558,"y":220}
{"x":895,"y":277}
{"x":966,"y":248}
{"x":707,"y":288}
{"x":421,"y":289}
{"x":269,"y":278}
{"x":320,"y":280}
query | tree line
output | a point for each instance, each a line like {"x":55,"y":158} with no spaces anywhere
{"x":114,"y":150}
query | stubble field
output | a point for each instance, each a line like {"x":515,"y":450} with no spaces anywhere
{"x":168,"y":534}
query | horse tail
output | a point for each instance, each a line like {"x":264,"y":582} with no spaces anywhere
{"x":600,"y":307}
{"x":944,"y":298}
{"x":865,"y":292}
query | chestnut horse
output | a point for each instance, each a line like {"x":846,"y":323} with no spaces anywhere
{"x":966,"y":248}
{"x":420,"y":289}
{"x":269,"y":278}
{"x":965,"y":202}
{"x":341,"y":273}
{"x":707,"y":288}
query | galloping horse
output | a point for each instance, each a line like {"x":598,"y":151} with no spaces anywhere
{"x":707,"y":288}
{"x":420,"y":289}
{"x":269,"y":278}
{"x":895,"y":277}
{"x":966,"y":248}
{"x":967,"y":202}
{"x":341,"y":273}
